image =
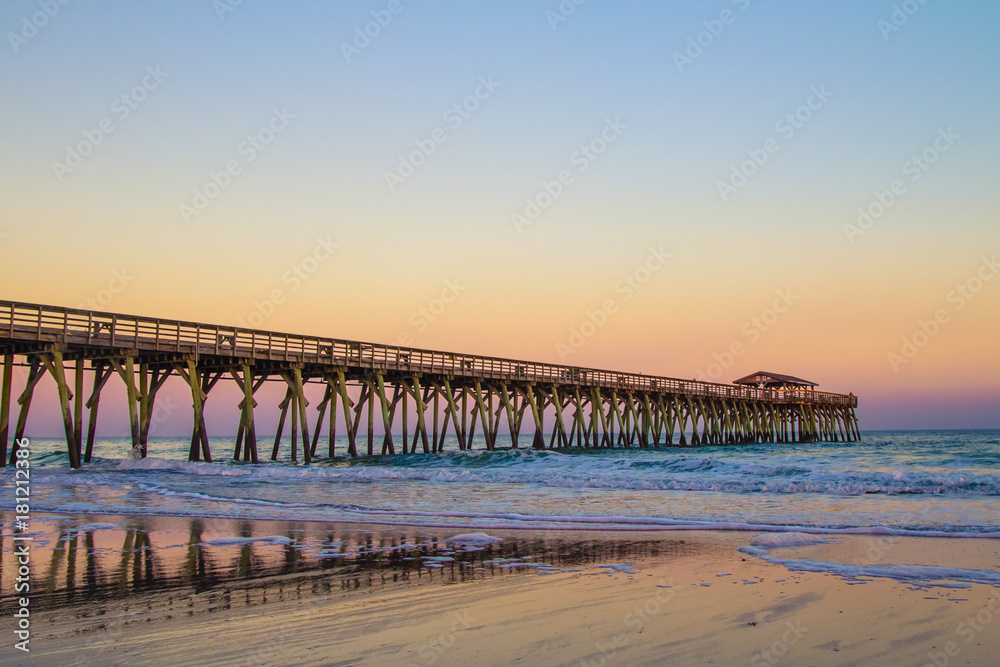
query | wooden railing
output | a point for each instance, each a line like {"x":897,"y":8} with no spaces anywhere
{"x":71,"y":326}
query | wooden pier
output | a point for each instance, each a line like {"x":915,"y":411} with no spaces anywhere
{"x":403,"y":388}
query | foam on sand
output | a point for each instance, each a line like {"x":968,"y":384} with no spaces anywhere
{"x":230,"y":541}
{"x":919,"y":575}
{"x":89,"y":527}
{"x":771,"y":540}
{"x":475,"y":539}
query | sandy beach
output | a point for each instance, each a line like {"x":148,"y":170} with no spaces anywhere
{"x":162,"y":590}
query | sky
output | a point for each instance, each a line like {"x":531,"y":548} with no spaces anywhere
{"x":690,"y":189}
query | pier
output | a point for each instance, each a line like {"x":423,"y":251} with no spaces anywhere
{"x":367,"y":383}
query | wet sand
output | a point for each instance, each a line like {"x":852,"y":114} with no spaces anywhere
{"x":176,"y":591}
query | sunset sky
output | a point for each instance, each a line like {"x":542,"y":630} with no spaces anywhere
{"x":811,"y":184}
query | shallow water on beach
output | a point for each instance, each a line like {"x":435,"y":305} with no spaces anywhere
{"x":125,"y":540}
{"x":922,"y":483}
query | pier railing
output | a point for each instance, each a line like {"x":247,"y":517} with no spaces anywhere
{"x":21,"y":322}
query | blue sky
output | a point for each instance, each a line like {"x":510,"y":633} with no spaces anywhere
{"x":888,"y":96}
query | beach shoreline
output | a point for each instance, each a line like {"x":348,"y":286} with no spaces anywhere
{"x":176,"y":590}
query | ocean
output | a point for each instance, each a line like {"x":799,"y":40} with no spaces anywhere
{"x":915,"y":483}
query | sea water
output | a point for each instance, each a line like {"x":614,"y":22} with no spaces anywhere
{"x":931,"y":483}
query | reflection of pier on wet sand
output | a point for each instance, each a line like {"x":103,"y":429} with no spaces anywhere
{"x":120,"y":571}
{"x":169,"y":591}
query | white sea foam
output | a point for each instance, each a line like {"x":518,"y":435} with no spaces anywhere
{"x":927,"y":575}
{"x":771,"y":540}
{"x":812,"y":488}
{"x":650,"y":472}
{"x":90,"y":527}
{"x":619,"y":567}
{"x":475,"y":539}
{"x":230,"y":541}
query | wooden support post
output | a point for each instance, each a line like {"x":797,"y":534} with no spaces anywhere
{"x":444,"y":424}
{"x":505,"y":398}
{"x":239,"y":437}
{"x":682,"y":415}
{"x":302,"y":403}
{"x":596,"y":410}
{"x":321,"y":409}
{"x":5,"y":388}
{"x":143,"y":398}
{"x":24,"y":400}
{"x":101,"y":375}
{"x":451,"y":409}
{"x":560,"y":426}
{"x":371,"y":421}
{"x":387,"y":444}
{"x":471,"y":433}
{"x":360,"y":406}
{"x":405,"y":415}
{"x":78,"y":408}
{"x":126,"y":371}
{"x":478,"y":395}
{"x":332,"y":441}
{"x":538,"y":442}
{"x":421,"y":400}
{"x":148,"y":392}
{"x":465,"y":423}
{"x":578,"y":417}
{"x":618,"y":419}
{"x":345,"y":401}
{"x":248,"y":406}
{"x":295,"y":426}
{"x":54,"y":363}
{"x":281,"y":423}
{"x":435,"y":421}
{"x":199,"y":436}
